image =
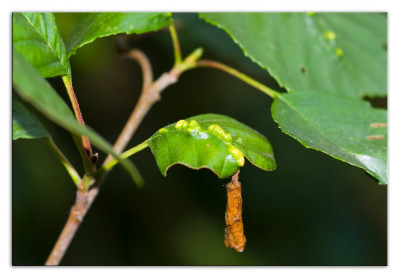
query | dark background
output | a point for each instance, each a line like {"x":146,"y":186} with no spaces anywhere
{"x":313,"y":210}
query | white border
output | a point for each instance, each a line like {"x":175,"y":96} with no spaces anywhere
{"x":204,"y":5}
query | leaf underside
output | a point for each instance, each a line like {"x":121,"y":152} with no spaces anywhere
{"x":338,"y":126}
{"x":36,"y":37}
{"x":90,"y":26}
{"x":301,"y":50}
{"x":172,"y":146}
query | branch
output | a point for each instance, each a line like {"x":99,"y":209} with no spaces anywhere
{"x":141,"y":108}
{"x":74,"y":220}
{"x":150,"y":94}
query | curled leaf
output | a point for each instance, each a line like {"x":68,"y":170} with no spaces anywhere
{"x":211,"y":141}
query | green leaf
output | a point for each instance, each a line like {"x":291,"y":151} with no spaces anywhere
{"x":25,"y":124}
{"x":338,"y":126}
{"x":38,"y":92}
{"x":36,"y":37}
{"x":90,"y":26}
{"x":211,"y":141}
{"x":338,"y":53}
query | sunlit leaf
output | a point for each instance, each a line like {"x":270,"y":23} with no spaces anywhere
{"x":36,"y":37}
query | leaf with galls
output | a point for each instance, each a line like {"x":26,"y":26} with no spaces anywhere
{"x":211,"y":141}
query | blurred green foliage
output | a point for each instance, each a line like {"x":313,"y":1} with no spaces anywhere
{"x":312,"y":210}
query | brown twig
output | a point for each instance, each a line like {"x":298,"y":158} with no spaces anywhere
{"x":141,"y":107}
{"x":150,"y":94}
{"x":73,"y":222}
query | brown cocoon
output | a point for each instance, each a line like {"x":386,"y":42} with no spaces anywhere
{"x":234,"y":235}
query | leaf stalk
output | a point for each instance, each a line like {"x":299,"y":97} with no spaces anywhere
{"x":175,"y":43}
{"x":68,"y":166}
{"x":89,"y":159}
{"x":217,"y":65}
{"x":107,"y":167}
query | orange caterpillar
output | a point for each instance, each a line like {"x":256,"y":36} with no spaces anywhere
{"x":234,"y":235}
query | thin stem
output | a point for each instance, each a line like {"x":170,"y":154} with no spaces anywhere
{"x":75,"y":106}
{"x":87,"y":163}
{"x":175,"y":43}
{"x":236,"y":73}
{"x":68,"y":166}
{"x":106,"y":167}
{"x":188,"y":63}
{"x":145,"y":65}
{"x":83,"y":144}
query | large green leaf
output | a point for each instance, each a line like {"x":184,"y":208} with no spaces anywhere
{"x":341,"y":127}
{"x":339,"y":53}
{"x":35,"y":35}
{"x":35,"y":90}
{"x":211,"y":141}
{"x":25,"y":124}
{"x":90,"y":26}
